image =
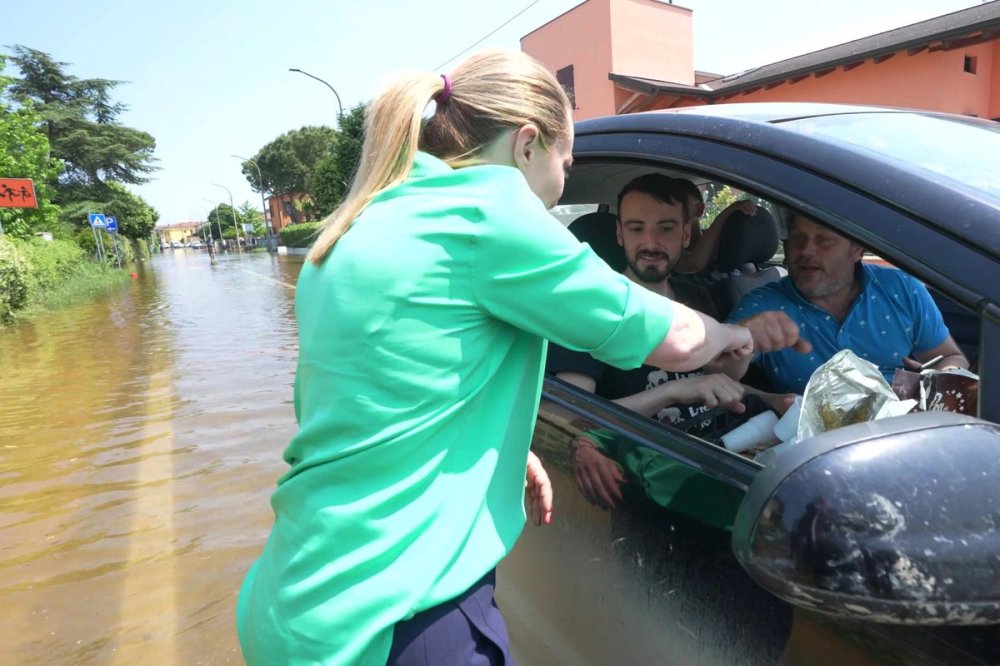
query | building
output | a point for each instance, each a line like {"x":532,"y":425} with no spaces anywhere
{"x":291,"y":208}
{"x":181,"y":232}
{"x":639,"y":56}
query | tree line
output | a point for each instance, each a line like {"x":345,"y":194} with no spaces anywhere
{"x":315,"y":162}
{"x":64,"y":132}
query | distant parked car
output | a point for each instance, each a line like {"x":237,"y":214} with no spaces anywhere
{"x":876,"y":543}
{"x":197,"y":244}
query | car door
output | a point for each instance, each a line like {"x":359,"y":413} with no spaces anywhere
{"x":654,"y":580}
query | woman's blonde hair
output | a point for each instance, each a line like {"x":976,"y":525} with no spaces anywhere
{"x":489,"y":93}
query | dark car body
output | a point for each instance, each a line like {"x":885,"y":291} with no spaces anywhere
{"x":655,"y":580}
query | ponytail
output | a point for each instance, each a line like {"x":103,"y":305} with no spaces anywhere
{"x":392,"y":132}
{"x":487,"y":94}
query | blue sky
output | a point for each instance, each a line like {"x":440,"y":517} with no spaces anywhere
{"x":209,"y":79}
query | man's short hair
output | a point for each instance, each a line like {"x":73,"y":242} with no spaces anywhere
{"x":660,"y":187}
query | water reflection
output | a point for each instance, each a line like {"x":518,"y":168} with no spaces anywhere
{"x":140,"y":435}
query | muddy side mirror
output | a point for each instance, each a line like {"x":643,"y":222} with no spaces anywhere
{"x":896,"y":521}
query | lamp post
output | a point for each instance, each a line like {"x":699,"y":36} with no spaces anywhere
{"x":236,"y":224}
{"x":263,"y":203}
{"x":340,"y":107}
{"x":217,"y":221}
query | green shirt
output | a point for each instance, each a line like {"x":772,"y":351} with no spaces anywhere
{"x":421,"y":349}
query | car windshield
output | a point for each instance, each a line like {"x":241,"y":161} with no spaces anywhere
{"x":967,"y":153}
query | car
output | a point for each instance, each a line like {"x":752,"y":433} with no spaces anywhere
{"x":704,"y":560}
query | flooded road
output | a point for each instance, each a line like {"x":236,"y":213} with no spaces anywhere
{"x":140,"y":438}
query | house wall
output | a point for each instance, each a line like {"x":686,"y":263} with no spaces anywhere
{"x":581,"y":37}
{"x":995,"y":81}
{"x":648,"y":38}
{"x":652,"y":39}
{"x":282,"y":211}
{"x":934,"y":81}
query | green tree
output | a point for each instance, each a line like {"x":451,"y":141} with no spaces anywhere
{"x":25,"y":153}
{"x":334,"y":172}
{"x":287,"y":163}
{"x":247,"y":214}
{"x":221,"y":218}
{"x":80,"y":120}
{"x":136,"y":218}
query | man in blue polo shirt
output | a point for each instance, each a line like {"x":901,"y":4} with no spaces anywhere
{"x":881,"y":314}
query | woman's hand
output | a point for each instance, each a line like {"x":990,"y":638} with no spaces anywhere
{"x":538,"y":491}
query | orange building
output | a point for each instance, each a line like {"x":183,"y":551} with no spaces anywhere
{"x":285,"y":209}
{"x":639,"y":56}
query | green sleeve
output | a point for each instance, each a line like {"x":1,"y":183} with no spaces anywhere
{"x":531,"y":272}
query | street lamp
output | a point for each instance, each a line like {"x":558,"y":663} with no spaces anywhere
{"x":339,"y":105}
{"x":218,"y":222}
{"x":263,"y":203}
{"x":232,"y":207}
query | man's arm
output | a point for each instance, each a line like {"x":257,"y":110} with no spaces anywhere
{"x":712,"y":390}
{"x":771,"y":331}
{"x":698,"y":258}
{"x":953,"y":356}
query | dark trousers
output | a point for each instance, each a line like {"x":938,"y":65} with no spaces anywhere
{"x":466,"y":631}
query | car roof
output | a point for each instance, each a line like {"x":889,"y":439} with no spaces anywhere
{"x":771,"y":129}
{"x":758,"y":112}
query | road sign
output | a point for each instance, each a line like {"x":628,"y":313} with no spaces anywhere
{"x":112,"y":224}
{"x":17,"y":193}
{"x":97,"y":220}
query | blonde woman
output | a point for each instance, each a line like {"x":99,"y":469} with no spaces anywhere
{"x":423,"y":310}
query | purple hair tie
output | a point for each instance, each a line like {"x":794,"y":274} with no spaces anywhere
{"x":445,"y":94}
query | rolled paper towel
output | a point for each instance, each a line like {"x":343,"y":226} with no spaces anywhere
{"x":758,"y":430}
{"x":788,"y":426}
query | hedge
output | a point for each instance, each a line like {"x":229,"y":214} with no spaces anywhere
{"x":13,"y":280}
{"x":37,"y":275}
{"x":300,"y":235}
{"x":49,"y":262}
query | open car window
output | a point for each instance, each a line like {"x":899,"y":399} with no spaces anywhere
{"x":596,"y":188}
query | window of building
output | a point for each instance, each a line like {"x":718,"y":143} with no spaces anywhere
{"x":970,"y":64}
{"x":565,"y":78}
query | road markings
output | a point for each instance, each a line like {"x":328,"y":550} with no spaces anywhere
{"x":269,"y":279}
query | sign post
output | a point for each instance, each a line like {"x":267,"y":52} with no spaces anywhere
{"x":97,"y":221}
{"x":112,"y":227}
{"x":17,"y":193}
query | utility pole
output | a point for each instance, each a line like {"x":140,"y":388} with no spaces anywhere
{"x":263,"y":204}
{"x":236,"y":224}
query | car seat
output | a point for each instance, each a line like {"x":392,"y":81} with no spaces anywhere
{"x":598,"y":230}
{"x":744,"y":243}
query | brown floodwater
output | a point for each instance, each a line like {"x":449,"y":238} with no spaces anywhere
{"x":140,"y":438}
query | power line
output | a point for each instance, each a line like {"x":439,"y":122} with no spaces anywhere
{"x":490,"y":34}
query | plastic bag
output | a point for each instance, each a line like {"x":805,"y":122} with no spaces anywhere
{"x":845,"y":390}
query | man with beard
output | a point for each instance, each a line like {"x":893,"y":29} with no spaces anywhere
{"x":881,"y":314}
{"x":653,"y":229}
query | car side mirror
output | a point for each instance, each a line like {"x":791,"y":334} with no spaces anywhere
{"x":895,"y":520}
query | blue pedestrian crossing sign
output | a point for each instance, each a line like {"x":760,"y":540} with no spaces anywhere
{"x":97,"y":220}
{"x":112,"y":224}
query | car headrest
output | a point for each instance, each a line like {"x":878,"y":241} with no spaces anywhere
{"x":747,"y":240}
{"x":598,"y":230}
